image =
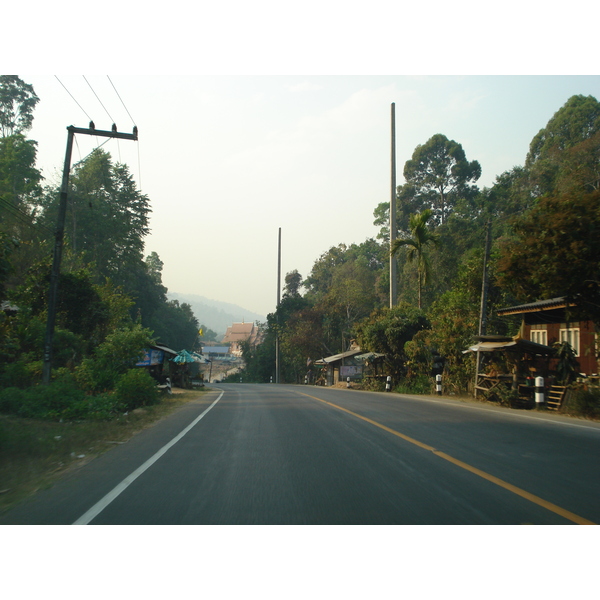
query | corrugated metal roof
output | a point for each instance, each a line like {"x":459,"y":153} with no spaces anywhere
{"x":336,"y":357}
{"x":369,"y":356}
{"x":535,"y":306}
{"x":515,"y":344}
{"x":164,"y":348}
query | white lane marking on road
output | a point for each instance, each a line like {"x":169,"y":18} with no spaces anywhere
{"x":86,"y":518}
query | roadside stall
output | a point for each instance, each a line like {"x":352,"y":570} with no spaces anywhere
{"x":338,"y":367}
{"x":156,"y":361}
{"x":185,"y":367}
{"x":373,"y":365}
{"x":507,"y":367}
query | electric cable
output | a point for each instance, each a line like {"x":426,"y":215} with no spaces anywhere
{"x":97,"y":98}
{"x":135,"y":126}
{"x":68,"y":92}
{"x":121,"y":99}
{"x":22,"y":216}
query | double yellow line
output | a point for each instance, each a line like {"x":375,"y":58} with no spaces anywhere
{"x":459,"y":463}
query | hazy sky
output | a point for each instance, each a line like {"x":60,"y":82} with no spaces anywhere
{"x":256,"y":116}
{"x":227,"y":160}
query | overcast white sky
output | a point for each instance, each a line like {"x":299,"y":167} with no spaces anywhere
{"x":264,"y":117}
{"x":227,"y":160}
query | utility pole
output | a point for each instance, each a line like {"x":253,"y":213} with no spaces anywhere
{"x":60,"y":231}
{"x":393,"y":232}
{"x":484,"y":294}
{"x":485,"y":282}
{"x":277,"y":366}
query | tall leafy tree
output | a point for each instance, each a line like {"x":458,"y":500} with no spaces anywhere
{"x":575,"y":122}
{"x":387,"y":331}
{"x":17,"y":101}
{"x":301,"y":341}
{"x":7,"y":247}
{"x":19,"y":178}
{"x":107,"y":217}
{"x":556,"y":252}
{"x":20,"y":192}
{"x":351,"y":297}
{"x":321,"y":276}
{"x":439,"y":174}
{"x":174,"y":325}
{"x":293,"y":283}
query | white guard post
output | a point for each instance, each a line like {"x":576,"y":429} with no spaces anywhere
{"x":539,"y":391}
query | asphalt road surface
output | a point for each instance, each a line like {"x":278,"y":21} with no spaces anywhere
{"x":284,"y":454}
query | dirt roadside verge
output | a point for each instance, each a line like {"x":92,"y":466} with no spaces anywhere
{"x":35,"y":454}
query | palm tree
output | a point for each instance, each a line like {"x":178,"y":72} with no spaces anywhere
{"x":421,"y":236}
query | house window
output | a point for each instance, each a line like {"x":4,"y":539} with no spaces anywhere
{"x":539,"y":336}
{"x":571,"y":335}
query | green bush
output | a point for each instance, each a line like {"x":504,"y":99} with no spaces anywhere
{"x":136,"y":388}
{"x":60,"y":400}
{"x":102,"y":407}
{"x":118,"y":353}
{"x":585,"y":403}
{"x":41,"y":401}
{"x":22,"y":373}
{"x":416,"y":385}
{"x":11,"y":399}
{"x":373,"y":385}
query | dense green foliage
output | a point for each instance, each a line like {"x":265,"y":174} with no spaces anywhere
{"x":388,"y":330}
{"x":111,"y":302}
{"x":544,"y":217}
{"x":17,"y":101}
{"x":544,"y":225}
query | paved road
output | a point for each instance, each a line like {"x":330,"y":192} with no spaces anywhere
{"x":279,"y":454}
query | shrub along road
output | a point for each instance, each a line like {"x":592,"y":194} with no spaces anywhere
{"x":282,"y":454}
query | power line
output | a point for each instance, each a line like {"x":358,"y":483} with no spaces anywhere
{"x":22,"y":216}
{"x":68,"y":92}
{"x":123,"y":103}
{"x":132,"y":120}
{"x":104,"y":107}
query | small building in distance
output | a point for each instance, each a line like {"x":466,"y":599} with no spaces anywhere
{"x":241,"y":332}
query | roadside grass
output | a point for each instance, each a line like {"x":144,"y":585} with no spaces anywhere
{"x":34,"y":454}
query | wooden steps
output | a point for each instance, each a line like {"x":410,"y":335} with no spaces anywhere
{"x":556,"y":395}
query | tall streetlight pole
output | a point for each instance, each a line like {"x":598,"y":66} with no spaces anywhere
{"x":393,"y":230}
{"x":277,"y":365}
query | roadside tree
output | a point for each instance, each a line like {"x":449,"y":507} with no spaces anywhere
{"x":555,"y":252}
{"x":387,"y":330}
{"x":439,"y":174}
{"x":17,"y":101}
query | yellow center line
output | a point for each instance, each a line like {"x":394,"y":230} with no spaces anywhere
{"x":459,"y":463}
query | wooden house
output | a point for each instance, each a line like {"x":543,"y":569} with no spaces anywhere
{"x":549,"y":321}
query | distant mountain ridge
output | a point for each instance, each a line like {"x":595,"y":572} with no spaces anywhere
{"x":216,"y":315}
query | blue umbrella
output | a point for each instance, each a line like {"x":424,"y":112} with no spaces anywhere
{"x":183,"y":357}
